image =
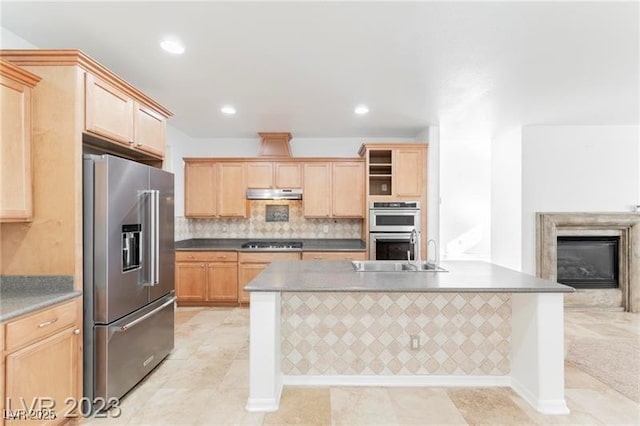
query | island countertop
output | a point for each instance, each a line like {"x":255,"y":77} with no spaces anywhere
{"x":340,"y":276}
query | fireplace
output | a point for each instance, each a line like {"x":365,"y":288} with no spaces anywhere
{"x":597,"y":253}
{"x":588,"y":262}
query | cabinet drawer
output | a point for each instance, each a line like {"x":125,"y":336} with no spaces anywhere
{"x":40,"y":325}
{"x":334,"y":255}
{"x":206,"y":256}
{"x":267,"y":257}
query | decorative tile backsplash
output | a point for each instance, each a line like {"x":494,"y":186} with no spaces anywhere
{"x":256,"y":226}
{"x":369,"y":333}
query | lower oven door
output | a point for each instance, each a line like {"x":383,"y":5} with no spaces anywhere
{"x":390,"y":246}
{"x":128,"y":349}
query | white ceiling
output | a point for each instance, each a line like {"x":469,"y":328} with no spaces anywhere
{"x":471,"y":68}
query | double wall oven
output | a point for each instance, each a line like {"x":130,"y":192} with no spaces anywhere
{"x":390,"y":228}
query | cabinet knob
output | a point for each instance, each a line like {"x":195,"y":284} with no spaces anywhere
{"x":222,"y":257}
{"x":131,"y":141}
{"x":202,"y":265}
{"x":318,"y":258}
{"x":190,"y":257}
{"x":76,"y":331}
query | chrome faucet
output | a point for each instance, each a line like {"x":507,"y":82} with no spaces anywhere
{"x":415,"y":240}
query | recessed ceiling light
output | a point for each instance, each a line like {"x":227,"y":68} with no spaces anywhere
{"x":361,"y":110}
{"x":172,"y":45}
{"x":228,"y":109}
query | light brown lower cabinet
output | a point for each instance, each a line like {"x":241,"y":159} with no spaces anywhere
{"x":42,"y":371}
{"x":334,"y":255}
{"x":250,"y":264}
{"x":206,"y":277}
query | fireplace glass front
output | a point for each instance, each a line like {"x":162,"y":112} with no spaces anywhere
{"x":588,"y":262}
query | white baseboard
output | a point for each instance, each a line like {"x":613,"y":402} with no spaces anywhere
{"x":265,"y":405}
{"x":544,"y":406}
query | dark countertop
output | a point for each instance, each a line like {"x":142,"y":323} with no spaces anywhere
{"x":233,"y":244}
{"x":21,"y":294}
{"x":340,"y":276}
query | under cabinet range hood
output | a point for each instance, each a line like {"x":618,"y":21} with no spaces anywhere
{"x":274,"y":194}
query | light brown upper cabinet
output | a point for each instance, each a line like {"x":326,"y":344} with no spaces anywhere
{"x":334,"y":189}
{"x":149,"y":130}
{"x":287,"y":175}
{"x":317,"y":190}
{"x":263,"y":174}
{"x":200,"y":189}
{"x":260,"y":175}
{"x":348,"y":189}
{"x":16,"y":197}
{"x":115,"y":115}
{"x":232,"y":189}
{"x":409,"y":168}
{"x":396,"y":171}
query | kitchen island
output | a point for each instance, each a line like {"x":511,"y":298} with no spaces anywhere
{"x":323,"y":323}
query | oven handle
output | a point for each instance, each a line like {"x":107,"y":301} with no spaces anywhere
{"x":391,"y":236}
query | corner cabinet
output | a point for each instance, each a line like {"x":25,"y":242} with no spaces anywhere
{"x":43,"y":362}
{"x":16,"y":192}
{"x":200,"y":192}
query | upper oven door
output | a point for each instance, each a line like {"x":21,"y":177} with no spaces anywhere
{"x":394,"y":220}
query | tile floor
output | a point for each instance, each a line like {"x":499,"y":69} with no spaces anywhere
{"x":204,"y":382}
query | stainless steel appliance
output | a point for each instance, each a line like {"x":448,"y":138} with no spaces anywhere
{"x":272,"y":245}
{"x":274,"y":194}
{"x":128,"y":273}
{"x":391,"y":225}
{"x":397,"y":216}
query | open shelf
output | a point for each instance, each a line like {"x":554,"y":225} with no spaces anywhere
{"x":380,"y":172}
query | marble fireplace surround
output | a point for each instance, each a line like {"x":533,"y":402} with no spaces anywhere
{"x":625,"y":225}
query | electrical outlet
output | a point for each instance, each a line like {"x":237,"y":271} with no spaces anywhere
{"x":415,"y":342}
{"x":325,"y":229}
{"x":224,"y":228}
{"x":383,"y":187}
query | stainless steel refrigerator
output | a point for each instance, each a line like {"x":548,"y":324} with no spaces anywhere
{"x":128,"y":273}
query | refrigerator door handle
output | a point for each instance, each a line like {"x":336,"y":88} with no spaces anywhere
{"x":154,"y":237}
{"x":125,"y":327}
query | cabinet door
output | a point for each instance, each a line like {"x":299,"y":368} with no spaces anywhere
{"x":108,"y":111}
{"x":317,"y":190}
{"x":408,"y":172}
{"x":191,"y":281}
{"x":247,"y":272}
{"x":199,"y":190}
{"x":288,"y":175}
{"x":222,"y":282}
{"x":15,"y":152}
{"x":232,"y":190}
{"x":44,"y":371}
{"x":149,"y":130}
{"x":260,"y":175}
{"x":348,"y":189}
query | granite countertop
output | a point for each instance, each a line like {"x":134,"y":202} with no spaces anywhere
{"x":21,"y":295}
{"x":340,"y":276}
{"x":233,"y":244}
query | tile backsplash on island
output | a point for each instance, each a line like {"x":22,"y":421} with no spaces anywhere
{"x":256,"y":226}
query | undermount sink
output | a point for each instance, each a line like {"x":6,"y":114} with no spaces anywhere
{"x":395,"y":266}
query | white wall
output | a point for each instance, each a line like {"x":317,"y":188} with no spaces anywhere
{"x":506,"y":198}
{"x":576,"y":168}
{"x":465,"y":192}
{"x":181,"y":145}
{"x":9,"y":40}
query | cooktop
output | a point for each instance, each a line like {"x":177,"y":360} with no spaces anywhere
{"x":272,"y":245}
